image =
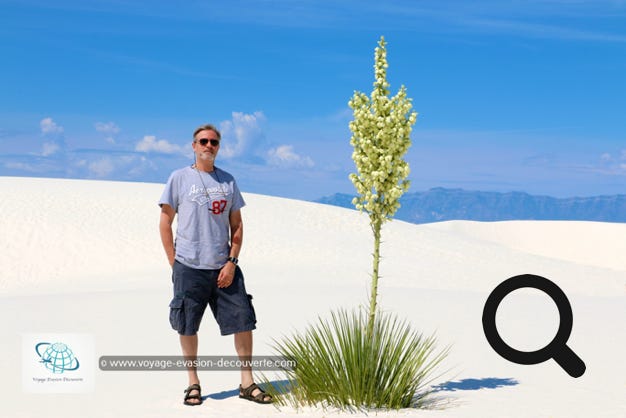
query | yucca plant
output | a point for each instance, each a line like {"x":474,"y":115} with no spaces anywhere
{"x":339,"y":365}
{"x":367,"y":359}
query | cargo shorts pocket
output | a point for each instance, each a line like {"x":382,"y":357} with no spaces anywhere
{"x":177,"y":314}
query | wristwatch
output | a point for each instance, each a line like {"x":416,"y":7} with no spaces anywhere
{"x":233,"y":260}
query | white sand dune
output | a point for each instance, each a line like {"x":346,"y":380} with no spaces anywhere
{"x":84,"y":257}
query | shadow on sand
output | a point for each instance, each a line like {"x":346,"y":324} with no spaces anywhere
{"x":476,"y":384}
{"x":432,"y":402}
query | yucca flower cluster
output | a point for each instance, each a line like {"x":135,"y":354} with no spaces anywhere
{"x":381,"y":132}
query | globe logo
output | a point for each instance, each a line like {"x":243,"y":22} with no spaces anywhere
{"x":57,"y":357}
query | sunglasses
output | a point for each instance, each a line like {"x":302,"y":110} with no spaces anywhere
{"x":204,"y":141}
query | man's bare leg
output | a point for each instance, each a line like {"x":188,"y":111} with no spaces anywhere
{"x":243,"y":346}
{"x":189,"y":344}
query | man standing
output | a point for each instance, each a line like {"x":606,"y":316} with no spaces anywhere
{"x":204,"y":259}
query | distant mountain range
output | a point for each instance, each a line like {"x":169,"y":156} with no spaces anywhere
{"x":440,"y":204}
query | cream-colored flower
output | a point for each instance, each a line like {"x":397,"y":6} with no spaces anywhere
{"x":380,"y":136}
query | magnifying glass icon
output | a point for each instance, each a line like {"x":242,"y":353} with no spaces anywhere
{"x":557,"y":348}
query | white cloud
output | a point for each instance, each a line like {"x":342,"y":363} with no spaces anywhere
{"x":109,"y":128}
{"x":342,"y":115}
{"x":20,"y":166}
{"x":136,"y":167}
{"x":118,"y":167}
{"x":53,"y":134}
{"x":49,"y":148}
{"x":241,"y":135}
{"x":149,"y":143}
{"x":48,"y":126}
{"x":285,"y":157}
{"x":610,"y":164}
{"x":102,"y":167}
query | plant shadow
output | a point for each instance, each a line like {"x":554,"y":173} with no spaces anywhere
{"x":475,"y":384}
{"x":434,"y":401}
{"x":437,"y":400}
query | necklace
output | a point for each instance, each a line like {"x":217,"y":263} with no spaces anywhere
{"x":217,"y":206}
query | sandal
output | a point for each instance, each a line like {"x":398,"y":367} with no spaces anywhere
{"x":198,"y":396}
{"x":258,"y":398}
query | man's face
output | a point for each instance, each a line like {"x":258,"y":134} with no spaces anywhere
{"x":208,"y":151}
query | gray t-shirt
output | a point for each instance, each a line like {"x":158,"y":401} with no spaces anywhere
{"x":203,"y":202}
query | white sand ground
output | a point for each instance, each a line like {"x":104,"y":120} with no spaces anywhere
{"x":84,"y":257}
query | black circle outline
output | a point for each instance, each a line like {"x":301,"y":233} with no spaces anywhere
{"x":527,"y":357}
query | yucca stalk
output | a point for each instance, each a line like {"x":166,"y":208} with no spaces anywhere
{"x":381,"y":132}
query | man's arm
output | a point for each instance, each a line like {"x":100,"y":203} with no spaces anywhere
{"x":236,"y":240}
{"x":165,"y":229}
{"x":236,"y":233}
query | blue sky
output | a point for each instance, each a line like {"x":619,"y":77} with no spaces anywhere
{"x":512,"y":95}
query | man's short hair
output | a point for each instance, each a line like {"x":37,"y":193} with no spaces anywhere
{"x":207,"y":127}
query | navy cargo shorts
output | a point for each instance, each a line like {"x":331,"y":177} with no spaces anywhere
{"x":195,"y":288}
